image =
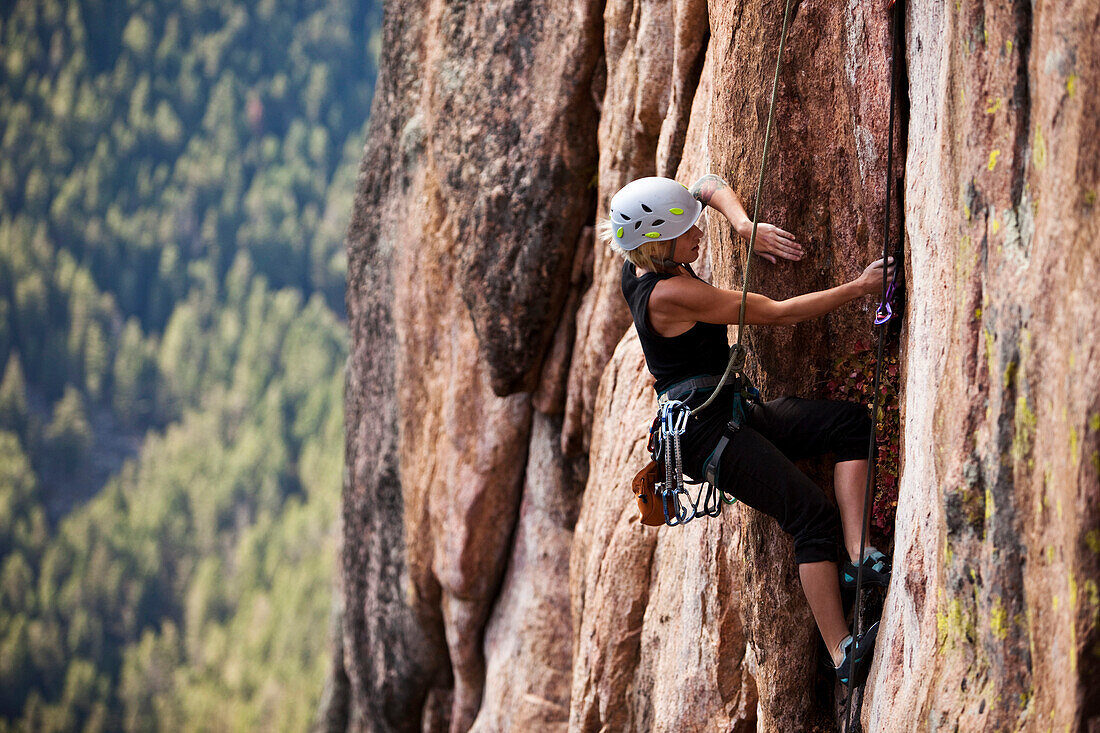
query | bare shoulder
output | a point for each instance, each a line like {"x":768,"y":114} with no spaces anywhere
{"x":686,"y":300}
{"x":680,"y":291}
{"x":670,"y":311}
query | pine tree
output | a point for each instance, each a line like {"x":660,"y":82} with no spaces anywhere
{"x":68,"y":436}
{"x":13,"y":398}
{"x":133,"y":377}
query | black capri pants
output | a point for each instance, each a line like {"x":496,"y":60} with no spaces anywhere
{"x":757,"y":465}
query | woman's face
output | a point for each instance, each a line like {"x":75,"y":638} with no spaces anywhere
{"x":687,"y":245}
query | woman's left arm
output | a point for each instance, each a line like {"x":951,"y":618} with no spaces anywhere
{"x":771,"y":241}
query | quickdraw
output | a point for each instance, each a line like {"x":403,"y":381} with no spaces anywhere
{"x":664,"y":447}
{"x":673,"y":423}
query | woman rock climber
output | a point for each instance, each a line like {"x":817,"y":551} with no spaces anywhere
{"x":681,"y":322}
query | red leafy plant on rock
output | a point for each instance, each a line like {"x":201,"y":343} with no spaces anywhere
{"x":852,"y":378}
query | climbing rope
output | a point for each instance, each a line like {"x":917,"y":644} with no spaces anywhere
{"x":736,"y":363}
{"x":883,"y":314}
{"x":674,"y":414}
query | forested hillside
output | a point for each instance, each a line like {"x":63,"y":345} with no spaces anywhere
{"x":175,"y":182}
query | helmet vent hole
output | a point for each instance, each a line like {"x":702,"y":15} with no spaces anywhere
{"x":637,"y":224}
{"x":658,"y":222}
{"x":624,"y":216}
{"x":647,"y":209}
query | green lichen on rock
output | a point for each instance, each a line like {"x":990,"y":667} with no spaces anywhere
{"x":1092,"y":600}
{"x":1025,"y":429}
{"x":954,"y":623}
{"x":998,"y":620}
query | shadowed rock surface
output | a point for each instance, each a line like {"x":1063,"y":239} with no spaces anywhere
{"x":494,"y":575}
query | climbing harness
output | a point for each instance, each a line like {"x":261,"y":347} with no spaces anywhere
{"x":671,"y":423}
{"x":883,"y":315}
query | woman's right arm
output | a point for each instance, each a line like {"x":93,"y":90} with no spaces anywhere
{"x":771,"y":241}
{"x":684,"y":299}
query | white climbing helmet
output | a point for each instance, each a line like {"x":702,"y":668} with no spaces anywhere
{"x":652,"y":209}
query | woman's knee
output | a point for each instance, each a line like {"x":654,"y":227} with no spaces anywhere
{"x":852,"y":432}
{"x":815,"y":533}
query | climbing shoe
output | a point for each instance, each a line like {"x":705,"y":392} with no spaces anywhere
{"x":876,"y":571}
{"x":861,"y":650}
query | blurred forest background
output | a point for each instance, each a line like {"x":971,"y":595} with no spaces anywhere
{"x":175,"y":183}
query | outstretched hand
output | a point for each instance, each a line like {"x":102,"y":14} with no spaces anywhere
{"x":772,"y":242}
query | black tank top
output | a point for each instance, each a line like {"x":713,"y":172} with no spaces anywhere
{"x":702,"y":349}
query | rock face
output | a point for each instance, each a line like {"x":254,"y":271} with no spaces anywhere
{"x":453,"y":303}
{"x":996,"y":602}
{"x":657,"y":630}
{"x":494,"y":575}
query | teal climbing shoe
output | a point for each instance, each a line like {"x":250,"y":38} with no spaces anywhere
{"x":876,"y":571}
{"x":860,"y":652}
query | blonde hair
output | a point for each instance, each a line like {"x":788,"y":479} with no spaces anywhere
{"x":650,"y":256}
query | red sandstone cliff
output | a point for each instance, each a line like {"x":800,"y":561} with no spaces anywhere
{"x":493,"y":574}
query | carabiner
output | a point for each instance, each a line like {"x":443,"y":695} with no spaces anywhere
{"x":664,"y":504}
{"x":684,"y":516}
{"x":670,"y":412}
{"x":885,"y":311}
{"x":680,"y":420}
{"x":668,"y":496}
{"x":883,"y":314}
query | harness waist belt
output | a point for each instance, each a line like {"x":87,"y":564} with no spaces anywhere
{"x":686,"y":387}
